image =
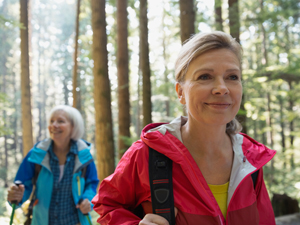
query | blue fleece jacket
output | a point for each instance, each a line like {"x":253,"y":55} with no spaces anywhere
{"x":82,"y":187}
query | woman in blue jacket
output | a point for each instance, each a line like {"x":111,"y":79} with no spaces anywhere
{"x":67,"y":180}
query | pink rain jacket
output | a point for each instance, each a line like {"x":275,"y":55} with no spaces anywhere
{"x":120,"y":193}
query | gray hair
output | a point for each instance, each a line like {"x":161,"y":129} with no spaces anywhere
{"x":199,"y":44}
{"x":75,"y":118}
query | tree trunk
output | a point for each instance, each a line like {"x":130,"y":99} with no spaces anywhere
{"x":66,"y":91}
{"x":218,"y":15}
{"x":187,"y":24}
{"x":265,"y":51}
{"x":187,"y":19}
{"x":40,"y":91}
{"x":138,"y":105}
{"x":234,"y":23}
{"x":25,"y":80}
{"x":234,"y":19}
{"x":76,"y":87}
{"x":282,"y":130}
{"x":102,"y":95}
{"x":270,"y":135}
{"x":15,"y":118}
{"x":123,"y":76}
{"x":145,"y":65}
{"x":292,"y":136}
{"x":166,"y":92}
{"x":5,"y":120}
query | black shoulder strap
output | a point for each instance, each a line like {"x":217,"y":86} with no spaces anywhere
{"x":254,"y":178}
{"x":37,"y":169}
{"x":83,"y":171}
{"x":160,"y":177}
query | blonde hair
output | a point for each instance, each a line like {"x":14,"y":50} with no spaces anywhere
{"x":75,"y":118}
{"x":199,"y":44}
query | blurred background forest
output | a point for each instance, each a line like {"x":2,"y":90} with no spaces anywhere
{"x":114,"y":61}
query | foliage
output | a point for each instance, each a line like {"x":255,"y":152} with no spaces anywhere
{"x":273,"y":26}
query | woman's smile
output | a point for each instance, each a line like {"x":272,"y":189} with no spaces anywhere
{"x":212,"y":89}
{"x":218,"y":105}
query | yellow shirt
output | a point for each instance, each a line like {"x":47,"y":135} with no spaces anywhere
{"x":220,"y":193}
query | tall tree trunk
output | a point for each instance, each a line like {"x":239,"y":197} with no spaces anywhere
{"x":265,"y":50}
{"x":234,"y":19}
{"x":282,"y":130}
{"x":292,"y":135}
{"x":15,"y":119}
{"x":218,"y":15}
{"x":166,"y":92}
{"x":66,"y":91}
{"x":138,"y":105}
{"x":187,"y":24}
{"x":3,"y":90}
{"x":234,"y":25}
{"x":123,"y":76}
{"x":145,"y":65}
{"x":270,"y":135}
{"x":187,"y":19}
{"x":102,"y":95}
{"x":25,"y":80}
{"x":40,"y":91}
{"x":5,"y":120}
{"x":76,"y":87}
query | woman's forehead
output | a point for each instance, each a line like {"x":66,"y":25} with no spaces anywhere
{"x":59,"y":113}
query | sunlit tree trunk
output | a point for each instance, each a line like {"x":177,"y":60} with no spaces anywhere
{"x":102,"y":95}
{"x":187,"y":24}
{"x":218,"y":15}
{"x":166,"y":92}
{"x":123,"y":74}
{"x":5,"y":119}
{"x":280,"y":98}
{"x":15,"y":120}
{"x":234,"y":25}
{"x":145,"y":65}
{"x":76,"y":86}
{"x":270,"y":134}
{"x":138,"y":108}
{"x":187,"y":19}
{"x":25,"y":80}
{"x":40,"y":104}
{"x":66,"y":91}
{"x":234,"y":19}
{"x":292,"y":135}
{"x":264,"y":38}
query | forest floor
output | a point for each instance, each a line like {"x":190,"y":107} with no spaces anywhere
{"x":293,"y":219}
{"x":19,"y":217}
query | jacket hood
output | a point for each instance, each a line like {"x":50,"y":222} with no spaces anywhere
{"x":166,"y":138}
{"x":39,"y":153}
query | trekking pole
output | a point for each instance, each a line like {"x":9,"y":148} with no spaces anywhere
{"x":86,"y":215}
{"x":14,"y":203}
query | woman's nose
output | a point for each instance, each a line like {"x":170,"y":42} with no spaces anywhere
{"x":220,"y":88}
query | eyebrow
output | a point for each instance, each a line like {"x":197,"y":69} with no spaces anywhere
{"x":212,"y":70}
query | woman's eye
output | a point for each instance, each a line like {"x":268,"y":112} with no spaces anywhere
{"x":234,"y":77}
{"x":204,"y":77}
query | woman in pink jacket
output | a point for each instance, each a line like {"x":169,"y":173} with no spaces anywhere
{"x":212,"y":160}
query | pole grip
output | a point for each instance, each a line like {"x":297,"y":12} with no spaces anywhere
{"x":18,"y":183}
{"x":79,"y":202}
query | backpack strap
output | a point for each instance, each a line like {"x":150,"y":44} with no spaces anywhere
{"x":83,"y":172}
{"x":32,"y":198}
{"x":254,"y":177}
{"x":37,"y":169}
{"x":161,"y":185}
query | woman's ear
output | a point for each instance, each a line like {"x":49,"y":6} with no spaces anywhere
{"x":180,"y":93}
